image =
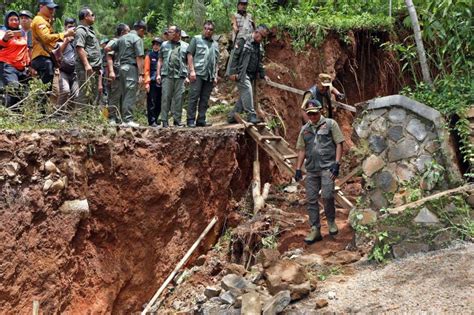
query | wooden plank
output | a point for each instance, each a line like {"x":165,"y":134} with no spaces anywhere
{"x":290,"y":156}
{"x":179,"y":265}
{"x":285,"y":88}
{"x":349,"y":176}
{"x":344,"y":106}
{"x":466,"y":188}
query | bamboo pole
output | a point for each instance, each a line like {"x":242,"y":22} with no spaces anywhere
{"x":178,"y":266}
{"x":36,"y":306}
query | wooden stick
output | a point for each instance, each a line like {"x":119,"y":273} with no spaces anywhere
{"x":349,"y":176}
{"x":465,"y":188}
{"x":178,"y":266}
{"x":36,"y":306}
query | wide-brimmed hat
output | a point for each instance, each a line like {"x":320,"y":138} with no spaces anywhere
{"x":325,"y":79}
{"x":49,"y":3}
{"x":313,"y":106}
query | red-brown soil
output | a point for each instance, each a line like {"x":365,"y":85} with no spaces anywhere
{"x":150,"y":194}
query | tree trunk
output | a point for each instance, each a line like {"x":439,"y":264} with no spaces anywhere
{"x":425,"y":70}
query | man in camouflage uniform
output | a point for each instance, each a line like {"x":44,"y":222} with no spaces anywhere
{"x":246,"y":67}
{"x":129,"y":49}
{"x":88,"y":59}
{"x":320,"y":142}
{"x":113,"y":67}
{"x":203,"y":54}
{"x":172,"y":73}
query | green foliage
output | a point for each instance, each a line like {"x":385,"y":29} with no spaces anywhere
{"x":219,"y":109}
{"x":456,"y":215}
{"x":381,"y":249}
{"x":326,"y":273}
{"x":271,"y":240}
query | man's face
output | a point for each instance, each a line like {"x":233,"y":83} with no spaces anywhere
{"x":314,"y":117}
{"x":69,"y":26}
{"x":242,"y":7}
{"x":48,"y":12}
{"x":141,"y":32}
{"x":14,"y":22}
{"x":25,"y":22}
{"x":173,"y":35}
{"x":208,"y":31}
{"x":257,"y":37}
{"x":90,"y":17}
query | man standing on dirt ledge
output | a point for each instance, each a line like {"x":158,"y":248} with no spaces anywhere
{"x":246,"y":66}
{"x":322,"y":92}
{"x":320,"y":142}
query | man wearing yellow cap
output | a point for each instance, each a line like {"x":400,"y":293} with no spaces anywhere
{"x":320,"y":143}
{"x":322,"y":92}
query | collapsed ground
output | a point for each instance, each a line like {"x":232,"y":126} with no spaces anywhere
{"x":152,"y":192}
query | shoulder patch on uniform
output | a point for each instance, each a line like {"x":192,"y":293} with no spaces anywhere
{"x":41,"y":26}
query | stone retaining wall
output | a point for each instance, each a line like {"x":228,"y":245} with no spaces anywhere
{"x":404,"y":138}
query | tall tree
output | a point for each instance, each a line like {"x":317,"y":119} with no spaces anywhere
{"x":425,"y":70}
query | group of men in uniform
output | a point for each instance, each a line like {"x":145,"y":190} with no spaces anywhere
{"x":165,"y":70}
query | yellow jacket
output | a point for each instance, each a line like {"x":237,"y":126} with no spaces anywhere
{"x":42,"y":30}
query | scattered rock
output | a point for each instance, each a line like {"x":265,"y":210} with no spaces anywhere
{"x":47,"y":184}
{"x":283,"y":273}
{"x":372,"y":165}
{"x":256,"y":273}
{"x":377,"y":144}
{"x":290,"y":189}
{"x":235,"y":269}
{"x":395,"y":133}
{"x":58,"y":185}
{"x":331,"y":295}
{"x":310,"y":260}
{"x":403,"y":150}
{"x":362,"y":217}
{"x":235,"y":283}
{"x":432,"y":147}
{"x":12,"y":168}
{"x":212,"y":291}
{"x":277,"y":303}
{"x":443,"y":239}
{"x":417,"y":129}
{"x":200,"y":299}
{"x":299,"y":291}
{"x":268,"y":257}
{"x":227,"y":297}
{"x":321,"y":303}
{"x":81,"y":207}
{"x":427,"y":217}
{"x":50,"y":167}
{"x":251,"y":304}
{"x":405,"y":249}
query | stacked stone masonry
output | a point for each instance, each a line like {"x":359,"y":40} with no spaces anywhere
{"x":404,"y":137}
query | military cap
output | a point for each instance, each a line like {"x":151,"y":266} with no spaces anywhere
{"x":325,"y":79}
{"x":313,"y":106}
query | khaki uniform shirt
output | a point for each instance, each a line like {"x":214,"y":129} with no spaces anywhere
{"x":86,"y":38}
{"x":42,"y":30}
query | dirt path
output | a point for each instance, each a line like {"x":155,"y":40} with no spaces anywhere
{"x":436,"y":282}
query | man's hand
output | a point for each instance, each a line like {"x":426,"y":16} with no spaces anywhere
{"x":100,"y":87}
{"x":340,"y":96}
{"x":186,"y":81}
{"x":8,"y":34}
{"x":112,"y":75}
{"x":192,"y":76}
{"x":147,"y":87}
{"x":334,"y":169}
{"x":89,"y":70}
{"x":266,"y":78}
{"x":158,"y":79}
{"x":141,"y":80}
{"x":298,"y":175}
{"x":70,"y":32}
